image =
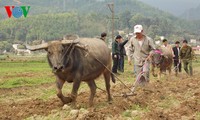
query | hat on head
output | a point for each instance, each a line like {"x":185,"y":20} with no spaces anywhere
{"x":138,"y":28}
{"x":118,"y":37}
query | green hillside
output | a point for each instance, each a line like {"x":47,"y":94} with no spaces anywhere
{"x":50,"y":20}
{"x":85,"y":6}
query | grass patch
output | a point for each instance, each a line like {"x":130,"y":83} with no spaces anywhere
{"x":47,"y":94}
{"x":22,"y":81}
{"x":197,"y":116}
{"x":139,"y":108}
{"x":57,"y":115}
{"x":168,"y":102}
{"x":17,"y":67}
{"x":127,"y":116}
{"x":127,"y":113}
{"x":24,"y":73}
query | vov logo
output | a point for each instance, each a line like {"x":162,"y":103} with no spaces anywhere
{"x":17,"y":11}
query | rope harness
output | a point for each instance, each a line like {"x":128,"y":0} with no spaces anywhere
{"x":65,"y":53}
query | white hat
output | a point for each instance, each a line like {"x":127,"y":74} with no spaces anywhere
{"x":138,"y":28}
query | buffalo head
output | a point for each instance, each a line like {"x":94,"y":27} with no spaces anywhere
{"x":157,"y":57}
{"x":57,"y":53}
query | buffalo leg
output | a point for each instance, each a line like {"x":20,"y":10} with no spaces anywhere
{"x":159,"y":75}
{"x":107,"y":82}
{"x":169,"y":73}
{"x":76,"y":85}
{"x":153,"y":71}
{"x":93,"y":88}
{"x":59,"y":84}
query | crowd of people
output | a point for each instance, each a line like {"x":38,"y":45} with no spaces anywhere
{"x":140,"y":48}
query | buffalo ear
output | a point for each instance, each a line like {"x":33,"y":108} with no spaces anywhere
{"x":65,"y":45}
{"x":164,"y":56}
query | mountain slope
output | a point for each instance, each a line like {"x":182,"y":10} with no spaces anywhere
{"x":85,"y":6}
{"x":175,"y":7}
{"x":192,"y":14}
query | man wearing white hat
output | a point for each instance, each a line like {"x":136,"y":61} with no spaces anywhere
{"x":139,"y":49}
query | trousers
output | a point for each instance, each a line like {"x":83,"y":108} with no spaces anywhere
{"x":188,"y":64}
{"x":121,"y":63}
{"x":115,"y":63}
{"x":145,"y":68}
{"x":177,"y":64}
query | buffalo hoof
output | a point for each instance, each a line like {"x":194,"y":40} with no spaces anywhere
{"x":66,"y":100}
{"x":110,"y":102}
{"x":91,"y":104}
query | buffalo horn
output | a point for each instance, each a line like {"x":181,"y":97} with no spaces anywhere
{"x":37,"y":47}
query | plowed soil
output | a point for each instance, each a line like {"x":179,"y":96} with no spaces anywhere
{"x":178,"y":98}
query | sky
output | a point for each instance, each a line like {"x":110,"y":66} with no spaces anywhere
{"x":175,"y":7}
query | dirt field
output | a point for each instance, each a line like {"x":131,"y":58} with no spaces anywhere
{"x":174,"y":99}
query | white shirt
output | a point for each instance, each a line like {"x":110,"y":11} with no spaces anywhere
{"x":167,"y":50}
{"x":140,"y":42}
{"x":178,"y":50}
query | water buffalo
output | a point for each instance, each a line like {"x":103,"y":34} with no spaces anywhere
{"x":72,"y":63}
{"x":161,"y":61}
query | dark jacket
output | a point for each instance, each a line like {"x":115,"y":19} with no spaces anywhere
{"x":176,"y":53}
{"x":115,"y":48}
{"x":186,"y":53}
{"x":121,"y":48}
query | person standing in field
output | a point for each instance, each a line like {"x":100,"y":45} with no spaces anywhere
{"x":130,"y":35}
{"x":103,"y":36}
{"x":186,"y":56}
{"x":177,"y":62}
{"x":116,"y":53}
{"x":167,"y":49}
{"x":140,"y":49}
{"x":122,"y":54}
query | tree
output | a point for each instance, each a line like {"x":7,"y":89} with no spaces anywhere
{"x":125,"y":18}
{"x":154,"y":30}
